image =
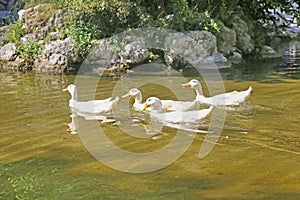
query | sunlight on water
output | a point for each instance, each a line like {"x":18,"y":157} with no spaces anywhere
{"x":256,"y":157}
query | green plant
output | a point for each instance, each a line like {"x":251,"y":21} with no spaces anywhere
{"x":29,"y":51}
{"x":14,"y":33}
{"x":83,"y":34}
{"x":185,"y":16}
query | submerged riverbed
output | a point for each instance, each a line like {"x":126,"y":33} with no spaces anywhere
{"x":257,"y":155}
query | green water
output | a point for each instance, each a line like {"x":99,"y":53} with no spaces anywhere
{"x":256,"y":157}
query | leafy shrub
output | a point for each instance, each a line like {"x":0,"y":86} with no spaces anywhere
{"x":29,"y":51}
{"x":14,"y":33}
{"x":83,"y":35}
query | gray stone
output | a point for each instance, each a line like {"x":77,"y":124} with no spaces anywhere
{"x":64,"y":47}
{"x":269,"y":52}
{"x":59,"y":18}
{"x":33,"y":23}
{"x":135,"y":52}
{"x":56,"y":54}
{"x":235,"y":58}
{"x":22,"y":13}
{"x":195,"y":45}
{"x":244,"y":41}
{"x":204,"y":41}
{"x":57,"y":59}
{"x":216,"y":58}
{"x":7,"y":52}
{"x":226,"y":39}
{"x":28,"y":37}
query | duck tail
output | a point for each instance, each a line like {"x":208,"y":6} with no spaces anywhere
{"x":208,"y":110}
{"x":116,"y":100}
{"x":249,"y":90}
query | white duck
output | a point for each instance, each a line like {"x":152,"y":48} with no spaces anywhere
{"x":167,"y":105}
{"x":227,"y":99}
{"x":174,"y":117}
{"x":92,"y":106}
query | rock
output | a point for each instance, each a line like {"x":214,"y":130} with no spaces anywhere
{"x":7,"y":52}
{"x":135,"y":52}
{"x":56,"y":55}
{"x":57,"y":59}
{"x":193,"y":44}
{"x":226,"y":39}
{"x":235,"y":58}
{"x":211,"y":62}
{"x":108,"y":59}
{"x":3,"y":31}
{"x":269,"y":52}
{"x":21,"y":14}
{"x":64,"y":47}
{"x":36,"y":21}
{"x":101,"y":56}
{"x":244,"y":40}
{"x":205,"y":43}
{"x":216,"y":58}
{"x":28,"y":37}
{"x":196,"y":47}
{"x":59,"y":18}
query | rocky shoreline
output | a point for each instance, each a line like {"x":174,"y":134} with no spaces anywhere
{"x":59,"y":56}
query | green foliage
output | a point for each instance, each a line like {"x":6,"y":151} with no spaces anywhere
{"x":14,"y":33}
{"x":31,"y":3}
{"x":29,"y":51}
{"x":153,"y":55}
{"x":83,"y":35}
{"x":189,"y":20}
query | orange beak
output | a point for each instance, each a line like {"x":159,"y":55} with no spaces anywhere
{"x":126,"y":95}
{"x":186,"y":85}
{"x":145,"y":107}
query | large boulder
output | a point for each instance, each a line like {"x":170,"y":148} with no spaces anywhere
{"x":109,"y":55}
{"x":56,"y":54}
{"x":197,"y":47}
{"x":244,"y":41}
{"x":8,"y":52}
{"x":269,"y":52}
{"x":226,"y":40}
{"x":135,"y":52}
{"x":194,"y":43}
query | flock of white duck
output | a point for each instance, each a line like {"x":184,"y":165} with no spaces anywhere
{"x":164,"y":111}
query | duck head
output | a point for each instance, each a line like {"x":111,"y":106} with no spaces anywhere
{"x":132,"y":93}
{"x":154,"y":103}
{"x":192,"y":83}
{"x":72,"y":90}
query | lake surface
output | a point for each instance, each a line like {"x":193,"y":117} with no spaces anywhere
{"x":257,"y":155}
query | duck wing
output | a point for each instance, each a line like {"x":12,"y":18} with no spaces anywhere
{"x":182,"y":117}
{"x":170,"y":105}
{"x":231,"y":98}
